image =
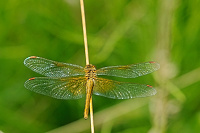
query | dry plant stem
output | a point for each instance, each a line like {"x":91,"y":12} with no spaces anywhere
{"x":163,"y":54}
{"x":87,"y":57}
{"x":91,"y":116}
{"x":84,"y":31}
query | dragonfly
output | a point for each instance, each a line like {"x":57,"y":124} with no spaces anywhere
{"x":69,"y":81}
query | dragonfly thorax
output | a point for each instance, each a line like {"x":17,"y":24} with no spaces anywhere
{"x":90,"y":71}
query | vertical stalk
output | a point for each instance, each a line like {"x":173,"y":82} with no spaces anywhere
{"x":161,"y":114}
{"x":87,"y":57}
{"x":84,"y":31}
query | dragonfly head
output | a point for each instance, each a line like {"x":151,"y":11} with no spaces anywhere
{"x":90,"y":67}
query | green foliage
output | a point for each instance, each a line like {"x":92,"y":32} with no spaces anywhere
{"x":119,"y":32}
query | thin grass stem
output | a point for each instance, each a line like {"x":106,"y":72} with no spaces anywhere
{"x":84,"y":31}
{"x":87,"y":58}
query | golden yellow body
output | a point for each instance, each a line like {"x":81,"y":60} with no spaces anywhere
{"x":90,"y":74}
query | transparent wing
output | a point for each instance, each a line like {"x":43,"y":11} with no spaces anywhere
{"x":129,"y":71}
{"x":121,"y":90}
{"x":60,"y":88}
{"x":51,"y":68}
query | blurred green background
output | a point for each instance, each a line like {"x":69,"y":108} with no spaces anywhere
{"x":119,"y":32}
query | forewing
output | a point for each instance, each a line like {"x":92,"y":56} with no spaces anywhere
{"x":121,"y":90}
{"x":129,"y":71}
{"x":51,"y":68}
{"x":60,"y":88}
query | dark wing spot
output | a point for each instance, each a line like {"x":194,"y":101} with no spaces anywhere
{"x":31,"y":79}
{"x":152,"y":62}
{"x":32,"y":57}
{"x":149,"y":86}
